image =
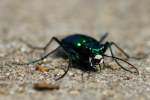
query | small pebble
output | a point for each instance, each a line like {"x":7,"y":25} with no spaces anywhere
{"x":45,"y":86}
{"x":41,"y":68}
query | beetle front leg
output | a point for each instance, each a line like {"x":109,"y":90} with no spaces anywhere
{"x":116,"y":60}
{"x":122,"y":51}
{"x":66,"y":71}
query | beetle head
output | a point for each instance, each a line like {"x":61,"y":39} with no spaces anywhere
{"x":96,"y":60}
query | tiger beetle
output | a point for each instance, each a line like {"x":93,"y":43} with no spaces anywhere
{"x":86,"y":52}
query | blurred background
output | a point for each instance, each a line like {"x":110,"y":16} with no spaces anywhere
{"x":52,"y":17}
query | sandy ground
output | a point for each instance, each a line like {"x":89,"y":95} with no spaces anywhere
{"x":36,"y":21}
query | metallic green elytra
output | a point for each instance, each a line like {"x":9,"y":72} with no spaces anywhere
{"x":87,"y":52}
{"x":84,"y":46}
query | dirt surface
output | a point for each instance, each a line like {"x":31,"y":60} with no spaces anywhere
{"x":36,"y":21}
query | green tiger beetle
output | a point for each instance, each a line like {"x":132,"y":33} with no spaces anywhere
{"x":86,"y":52}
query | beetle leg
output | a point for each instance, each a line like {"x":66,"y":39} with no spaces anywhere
{"x":50,"y":41}
{"x":116,"y":58}
{"x":100,"y":67}
{"x":66,"y":71}
{"x":90,"y":61}
{"x":45,"y":56}
{"x":113,"y":43}
{"x":31,"y":46}
{"x":122,"y":51}
{"x":39,"y":48}
{"x":103,"y":37}
{"x":35,"y":61}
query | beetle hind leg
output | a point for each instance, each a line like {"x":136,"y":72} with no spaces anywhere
{"x":44,"y":48}
{"x":103,"y":37}
{"x":45,"y":56}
